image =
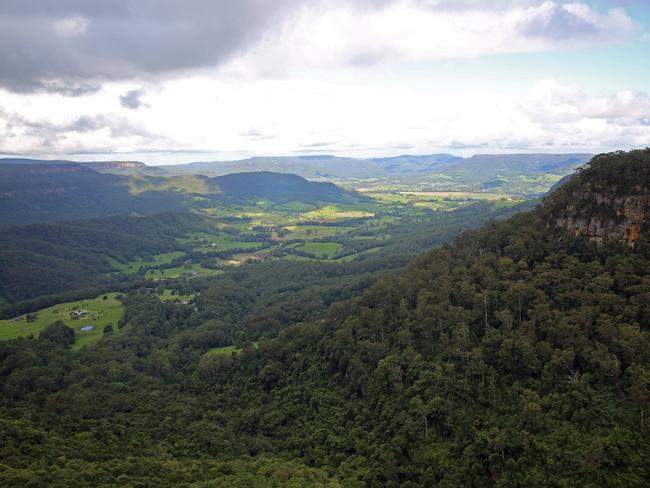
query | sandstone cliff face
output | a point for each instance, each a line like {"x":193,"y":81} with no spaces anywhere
{"x":108,"y":165}
{"x":625,"y":217}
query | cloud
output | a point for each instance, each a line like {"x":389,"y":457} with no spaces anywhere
{"x":132,"y":99}
{"x":340,"y":117}
{"x":70,"y":26}
{"x":72,"y":47}
{"x":83,"y":134}
{"x":85,"y":42}
{"x":577,"y":21}
{"x":553,"y":102}
{"x":336,"y":34}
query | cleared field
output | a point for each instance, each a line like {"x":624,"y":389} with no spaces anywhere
{"x":320,"y":249}
{"x":307,"y":232}
{"x":167,"y":295}
{"x":331,"y":212}
{"x":204,"y":242}
{"x":156,"y":260}
{"x":455,"y":194}
{"x":226,"y":350}
{"x":223,"y":351}
{"x":99,"y":312}
{"x":178,"y":271}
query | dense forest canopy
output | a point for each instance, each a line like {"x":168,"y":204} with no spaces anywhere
{"x":518,"y":356}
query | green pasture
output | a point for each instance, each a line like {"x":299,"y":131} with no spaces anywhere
{"x":308,"y":232}
{"x":320,"y":249}
{"x":223,"y":351}
{"x":179,"y":271}
{"x":155,"y":260}
{"x":226,"y":350}
{"x":100,"y":313}
{"x":334,"y":212}
{"x":167,"y":296}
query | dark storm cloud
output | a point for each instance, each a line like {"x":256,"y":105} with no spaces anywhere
{"x":132,"y":99}
{"x":72,"y":46}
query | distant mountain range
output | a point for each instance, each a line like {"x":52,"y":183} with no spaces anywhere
{"x":483,"y":166}
{"x":43,"y":191}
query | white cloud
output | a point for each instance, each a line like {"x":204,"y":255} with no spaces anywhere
{"x":299,"y":116}
{"x":333,"y":76}
{"x":337,"y":34}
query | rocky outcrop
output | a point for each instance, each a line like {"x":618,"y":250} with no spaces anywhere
{"x":114,"y":165}
{"x":620,"y":218}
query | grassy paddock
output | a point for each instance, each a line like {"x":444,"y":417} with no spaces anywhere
{"x":223,"y":351}
{"x":100,"y":313}
{"x":156,"y":260}
{"x":320,"y":249}
{"x":178,"y":271}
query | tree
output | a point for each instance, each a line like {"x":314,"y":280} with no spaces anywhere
{"x":58,"y":333}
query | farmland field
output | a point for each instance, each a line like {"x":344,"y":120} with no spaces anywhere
{"x":100,"y":312}
{"x":155,"y":260}
{"x":252,"y":230}
{"x":320,"y":249}
{"x":223,"y":351}
{"x":178,"y":271}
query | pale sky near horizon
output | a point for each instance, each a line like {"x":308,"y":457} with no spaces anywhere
{"x":175,"y":81}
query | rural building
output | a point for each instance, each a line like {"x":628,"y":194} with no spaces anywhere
{"x":78,"y":314}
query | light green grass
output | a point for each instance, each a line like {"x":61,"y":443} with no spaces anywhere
{"x":178,"y":271}
{"x":205,"y":242}
{"x":167,"y":295}
{"x":156,"y":260}
{"x":226,"y":350}
{"x":101,"y":312}
{"x":332,"y":212}
{"x":320,"y":249}
{"x":308,"y":232}
{"x":223,"y":351}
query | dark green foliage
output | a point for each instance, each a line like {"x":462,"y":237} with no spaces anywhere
{"x":59,"y":333}
{"x":280,"y":187}
{"x":517,"y":357}
{"x":614,"y":175}
{"x":31,"y":193}
{"x":45,"y":259}
{"x":40,"y":191}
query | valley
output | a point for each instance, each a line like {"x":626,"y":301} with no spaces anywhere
{"x":385,"y":335}
{"x":325,"y":244}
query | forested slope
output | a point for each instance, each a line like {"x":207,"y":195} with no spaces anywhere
{"x":46,"y":259}
{"x":519,"y":356}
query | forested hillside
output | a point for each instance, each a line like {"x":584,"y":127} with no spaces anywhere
{"x":518,"y":356}
{"x":48,"y":191}
{"x":70,"y":257}
{"x":31,"y":193}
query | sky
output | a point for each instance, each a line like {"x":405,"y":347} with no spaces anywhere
{"x":171,"y":81}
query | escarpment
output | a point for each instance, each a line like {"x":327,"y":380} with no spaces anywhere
{"x":607,"y":200}
{"x":624,"y":220}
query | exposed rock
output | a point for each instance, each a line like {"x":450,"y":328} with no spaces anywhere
{"x":622,"y":217}
{"x":112,"y":165}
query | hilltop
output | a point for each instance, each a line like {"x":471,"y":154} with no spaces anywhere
{"x":36,"y":191}
{"x":608,"y":199}
{"x":479,"y":172}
